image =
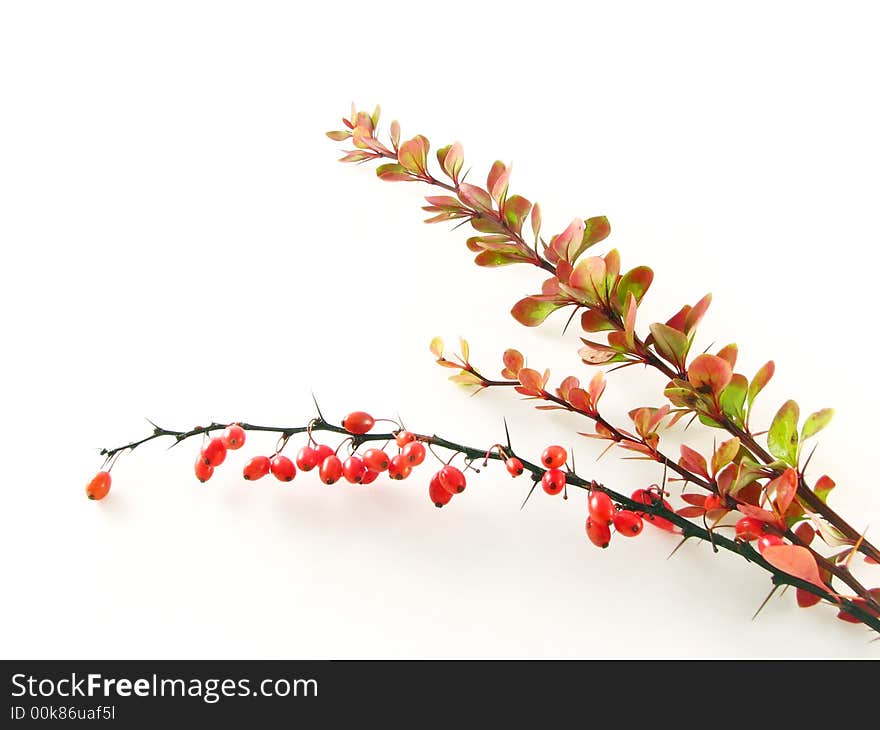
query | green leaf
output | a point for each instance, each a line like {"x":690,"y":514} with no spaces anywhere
{"x":762,"y":377}
{"x":516,"y":208}
{"x":392,"y":172}
{"x":532,"y":311}
{"x":498,"y":258}
{"x":816,"y":422}
{"x":637,"y":281}
{"x":782,"y":439}
{"x":487,"y":225}
{"x":733,"y":397}
{"x":671,"y":344}
{"x":709,"y":421}
{"x":681,"y":395}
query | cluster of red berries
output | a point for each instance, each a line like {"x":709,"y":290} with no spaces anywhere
{"x":603,"y":514}
{"x":748,"y":529}
{"x":356,"y":469}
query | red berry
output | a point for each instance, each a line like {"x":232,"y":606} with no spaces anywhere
{"x":645,"y":496}
{"x":307,"y":458}
{"x":437,"y":492}
{"x":628,"y":523}
{"x":553,"y":481}
{"x":282,"y":468}
{"x":233,"y":437}
{"x":514,"y":466}
{"x":748,"y":528}
{"x":554,"y":457}
{"x":358,"y":422}
{"x":599,"y":533}
{"x":353,"y":469}
{"x":202,"y":470}
{"x":369,"y":476}
{"x":99,"y":486}
{"x":452,"y":479}
{"x":257,"y":468}
{"x":601,"y":507}
{"x":400,"y":468}
{"x":414,"y":452}
{"x":805,"y":599}
{"x":713,"y":502}
{"x":376,"y":460}
{"x":323,"y":452}
{"x":214,"y":452}
{"x":404,"y":437}
{"x":330,"y":470}
{"x":769,"y":540}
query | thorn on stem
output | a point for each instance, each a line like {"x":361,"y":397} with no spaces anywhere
{"x":765,"y":601}
{"x":318,"y":408}
{"x":534,"y":484}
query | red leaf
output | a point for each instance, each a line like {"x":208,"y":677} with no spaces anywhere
{"x":729,"y":353}
{"x":823,"y":486}
{"x":566,"y":386}
{"x":696,"y":314}
{"x":513,"y":363}
{"x":690,"y":511}
{"x":805,"y":599}
{"x":805,"y":532}
{"x":786,"y":487}
{"x":693,"y":461}
{"x":580,"y":400}
{"x":696,"y":499}
{"x":794,"y":560}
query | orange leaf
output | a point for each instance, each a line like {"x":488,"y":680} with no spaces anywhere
{"x":531,"y":379}
{"x":710,"y":373}
{"x":794,"y":560}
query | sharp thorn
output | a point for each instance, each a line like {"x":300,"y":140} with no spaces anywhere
{"x":765,"y":602}
{"x":534,"y":484}
{"x":318,"y":408}
{"x":678,"y":547}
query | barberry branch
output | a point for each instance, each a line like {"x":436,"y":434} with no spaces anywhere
{"x":688,"y":529}
{"x":594,"y":285}
{"x":839,"y":571}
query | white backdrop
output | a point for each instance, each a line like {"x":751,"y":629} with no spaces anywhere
{"x":179,"y":243}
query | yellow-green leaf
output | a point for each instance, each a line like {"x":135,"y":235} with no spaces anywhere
{"x":816,"y":422}
{"x":782,"y":439}
{"x":532,"y":311}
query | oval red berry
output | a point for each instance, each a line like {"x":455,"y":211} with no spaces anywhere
{"x":99,"y":486}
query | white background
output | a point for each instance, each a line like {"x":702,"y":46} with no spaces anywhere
{"x":179,"y":243}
